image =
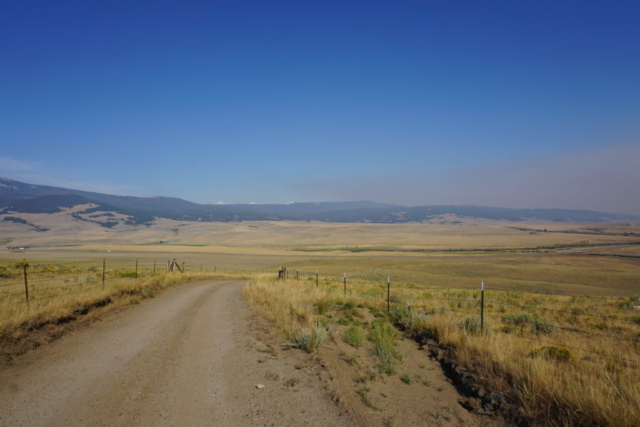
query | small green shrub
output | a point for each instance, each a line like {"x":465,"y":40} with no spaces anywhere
{"x":349,"y":305}
{"x":554,"y":352}
{"x":4,"y":272}
{"x":128,"y":274}
{"x":542,"y":327}
{"x":322,"y":306}
{"x":148,"y":293}
{"x":626,"y":305}
{"x":535,"y":324}
{"x":470,"y":324}
{"x":517,"y":319}
{"x":405,"y":379}
{"x":345,"y":321}
{"x":403,"y":316}
{"x":351,"y":360}
{"x":354,"y":336}
{"x":383,"y":336}
{"x":308,"y":338}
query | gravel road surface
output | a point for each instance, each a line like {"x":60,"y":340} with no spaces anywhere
{"x":184,"y":358}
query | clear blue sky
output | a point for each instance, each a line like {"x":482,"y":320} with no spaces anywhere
{"x":414,"y":102}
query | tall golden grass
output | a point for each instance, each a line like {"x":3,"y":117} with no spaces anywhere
{"x":55,"y":307}
{"x":557,"y":375}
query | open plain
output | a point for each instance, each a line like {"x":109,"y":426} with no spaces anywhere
{"x":195,"y":353}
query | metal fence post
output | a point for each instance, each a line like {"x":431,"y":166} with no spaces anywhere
{"x":388,"y":294}
{"x":482,"y":307}
{"x":26,"y":283}
{"x":316,"y":277}
{"x":345,"y":283}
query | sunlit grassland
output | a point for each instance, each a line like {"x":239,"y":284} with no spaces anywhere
{"x":62,"y":293}
{"x":569,"y":274}
{"x":598,"y":383}
{"x":278,"y":236}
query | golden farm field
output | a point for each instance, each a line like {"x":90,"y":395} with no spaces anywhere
{"x":286,"y":236}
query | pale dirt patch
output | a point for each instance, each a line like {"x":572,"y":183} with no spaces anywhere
{"x":375,"y":399}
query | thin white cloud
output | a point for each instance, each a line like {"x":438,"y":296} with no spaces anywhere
{"x":9,"y":166}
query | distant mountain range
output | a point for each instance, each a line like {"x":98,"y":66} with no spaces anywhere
{"x":19,"y":197}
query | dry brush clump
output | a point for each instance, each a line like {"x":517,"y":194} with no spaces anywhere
{"x":564,"y":360}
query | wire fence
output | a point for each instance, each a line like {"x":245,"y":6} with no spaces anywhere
{"x":24,"y":282}
{"x":517,"y":315}
{"x":42,"y":281}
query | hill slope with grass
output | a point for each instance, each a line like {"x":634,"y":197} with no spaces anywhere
{"x":18,"y":197}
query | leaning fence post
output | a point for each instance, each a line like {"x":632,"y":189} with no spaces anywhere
{"x":388,"y":294}
{"x":104,"y":264}
{"x":482,"y":307}
{"x":26,"y":283}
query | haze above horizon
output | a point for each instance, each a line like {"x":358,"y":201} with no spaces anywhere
{"x":500,"y":103}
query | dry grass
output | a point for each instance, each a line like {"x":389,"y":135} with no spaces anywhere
{"x":53,"y":309}
{"x":598,"y":385}
{"x":265,"y":237}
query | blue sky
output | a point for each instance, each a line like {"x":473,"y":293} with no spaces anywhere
{"x":499,"y":103}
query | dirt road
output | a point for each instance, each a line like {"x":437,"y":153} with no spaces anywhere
{"x":184,"y":358}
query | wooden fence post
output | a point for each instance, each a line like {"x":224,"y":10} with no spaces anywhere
{"x":388,"y":294}
{"x":482,"y":307}
{"x":104,"y":264}
{"x":26,"y":283}
{"x":345,"y":283}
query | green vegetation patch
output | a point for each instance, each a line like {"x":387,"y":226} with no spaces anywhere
{"x":384,"y":338}
{"x":554,"y":352}
{"x":354,"y":336}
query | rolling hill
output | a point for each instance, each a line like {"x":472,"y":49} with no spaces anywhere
{"x":108,"y":210}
